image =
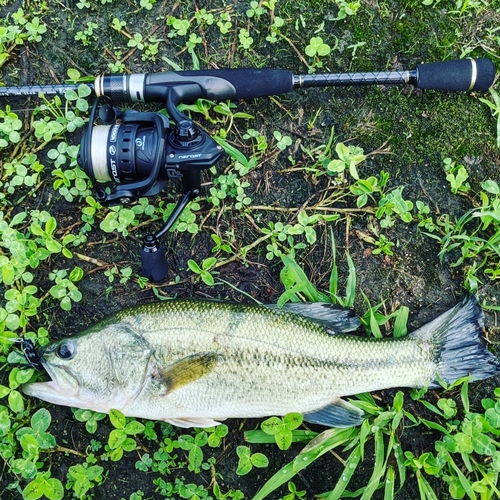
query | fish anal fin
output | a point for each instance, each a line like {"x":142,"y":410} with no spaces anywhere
{"x":186,"y":370}
{"x":339,"y":413}
{"x":192,"y":422}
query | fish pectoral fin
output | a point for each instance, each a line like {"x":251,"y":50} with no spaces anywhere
{"x":192,"y":422}
{"x":186,"y":370}
{"x":340,"y":413}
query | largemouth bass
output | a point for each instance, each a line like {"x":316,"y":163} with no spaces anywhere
{"x":196,"y":362}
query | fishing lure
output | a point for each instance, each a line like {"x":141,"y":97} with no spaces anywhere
{"x":30,"y":353}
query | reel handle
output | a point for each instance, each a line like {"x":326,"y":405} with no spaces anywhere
{"x":154,"y":262}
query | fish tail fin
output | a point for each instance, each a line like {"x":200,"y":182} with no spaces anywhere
{"x":457,"y":341}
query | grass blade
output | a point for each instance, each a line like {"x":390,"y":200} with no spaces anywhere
{"x":350,"y":288}
{"x":320,"y":445}
{"x":172,"y":63}
{"x":400,"y":329}
{"x":426,"y":492}
{"x":389,"y":484}
{"x":334,"y":275}
{"x":400,"y":460}
{"x":464,"y":395}
{"x":233,"y":152}
{"x":310,"y":291}
{"x":261,"y":437}
{"x":379,"y":467}
{"x":350,"y":467}
{"x":464,"y":482}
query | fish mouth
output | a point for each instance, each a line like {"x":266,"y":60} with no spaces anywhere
{"x":53,"y":390}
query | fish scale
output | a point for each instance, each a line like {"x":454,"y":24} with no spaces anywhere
{"x":338,"y":357}
{"x":196,"y":362}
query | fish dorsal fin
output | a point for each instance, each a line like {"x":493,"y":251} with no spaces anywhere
{"x":340,"y":413}
{"x":336,"y":319}
{"x":186,"y":370}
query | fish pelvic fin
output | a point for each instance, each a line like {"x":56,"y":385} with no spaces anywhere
{"x":186,"y":370}
{"x":192,"y":422}
{"x":340,"y":413}
{"x":456,"y":338}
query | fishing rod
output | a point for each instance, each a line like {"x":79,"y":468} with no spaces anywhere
{"x":129,"y":154}
{"x":248,"y":83}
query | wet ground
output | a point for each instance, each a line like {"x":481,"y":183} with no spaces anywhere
{"x":409,"y":131}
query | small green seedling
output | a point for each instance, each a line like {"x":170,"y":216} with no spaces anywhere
{"x":317,"y":47}
{"x":349,"y":157}
{"x":248,"y":460}
{"x":495,"y":108}
{"x":83,"y":477}
{"x":65,"y":289}
{"x":457,"y":176}
{"x":281,"y":428}
{"x":205,"y":271}
{"x":17,"y":377}
{"x":91,"y":418}
{"x":118,"y":219}
{"x":120,"y":439}
{"x":44,"y":486}
{"x":193,"y":445}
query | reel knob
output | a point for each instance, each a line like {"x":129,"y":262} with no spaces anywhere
{"x":154,"y":263}
{"x":186,"y":134}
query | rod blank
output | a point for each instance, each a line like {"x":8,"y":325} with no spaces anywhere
{"x":355,"y":79}
{"x":25,"y":90}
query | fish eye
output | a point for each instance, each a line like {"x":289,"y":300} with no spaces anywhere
{"x":65,"y":350}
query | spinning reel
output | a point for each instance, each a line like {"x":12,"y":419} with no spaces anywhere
{"x":133,"y":154}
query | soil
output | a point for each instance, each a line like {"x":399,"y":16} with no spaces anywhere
{"x":413,"y":131}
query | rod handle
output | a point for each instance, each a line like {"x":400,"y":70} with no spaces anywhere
{"x":187,"y":86}
{"x":244,"y":83}
{"x":456,"y":75}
